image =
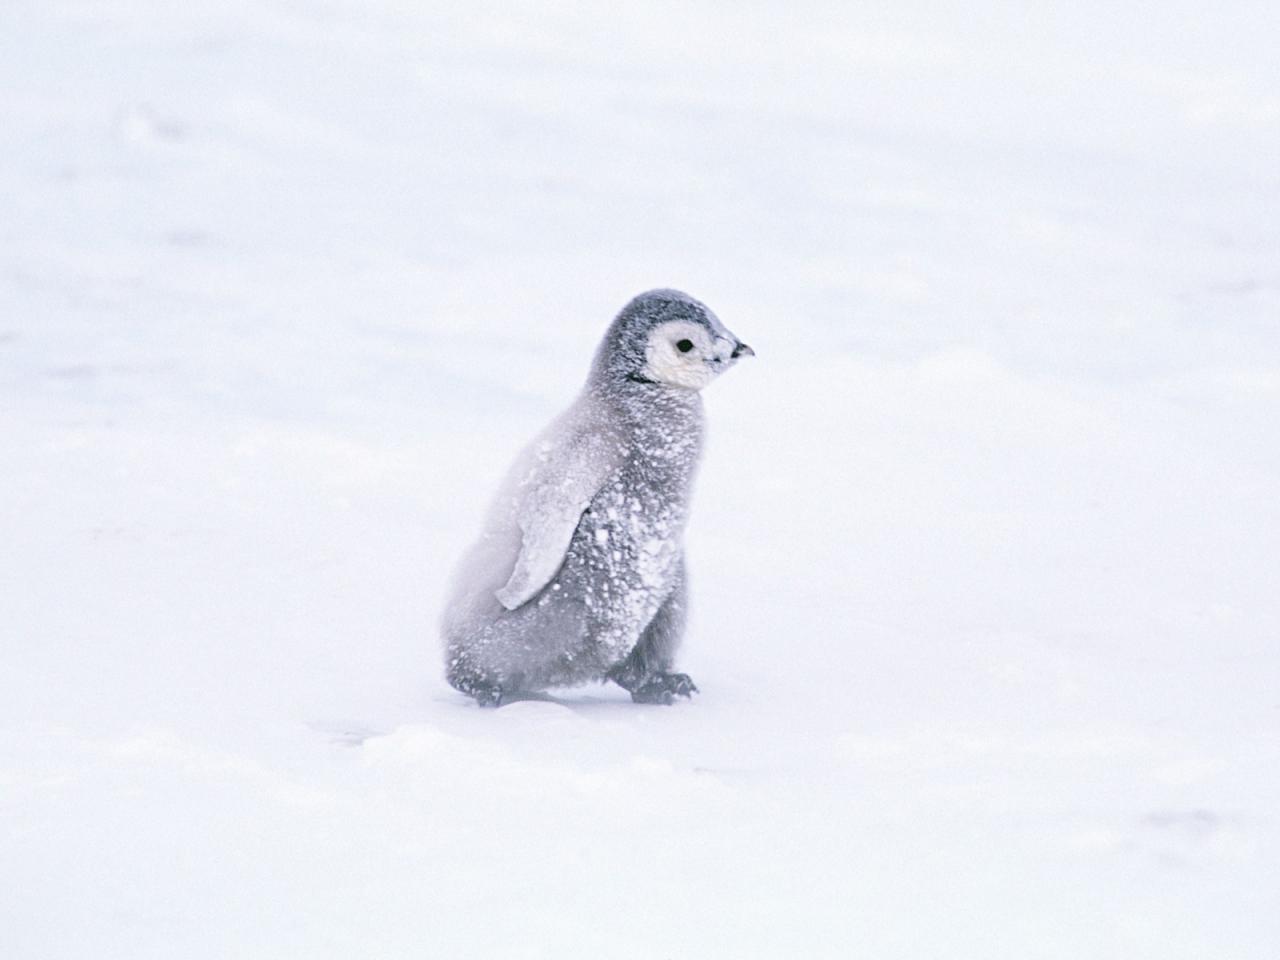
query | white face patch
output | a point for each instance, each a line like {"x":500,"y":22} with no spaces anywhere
{"x":682,"y":354}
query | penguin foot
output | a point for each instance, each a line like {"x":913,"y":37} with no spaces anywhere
{"x":487,"y":694}
{"x":664,"y":688}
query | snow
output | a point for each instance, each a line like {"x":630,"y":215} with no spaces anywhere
{"x":983,"y":551}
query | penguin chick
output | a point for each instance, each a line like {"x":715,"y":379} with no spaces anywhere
{"x":579,"y":574}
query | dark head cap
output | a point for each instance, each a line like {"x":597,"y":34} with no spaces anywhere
{"x":633,"y":351}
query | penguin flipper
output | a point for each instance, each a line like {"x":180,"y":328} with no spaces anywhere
{"x":543,"y":547}
{"x":552,"y":503}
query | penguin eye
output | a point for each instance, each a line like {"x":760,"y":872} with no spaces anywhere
{"x":684,"y":346}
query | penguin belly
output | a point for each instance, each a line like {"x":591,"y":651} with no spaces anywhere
{"x":621,"y":565}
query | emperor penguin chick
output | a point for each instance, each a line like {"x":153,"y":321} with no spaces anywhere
{"x":579,"y":574}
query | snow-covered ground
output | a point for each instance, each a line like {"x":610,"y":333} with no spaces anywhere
{"x":984,"y":551}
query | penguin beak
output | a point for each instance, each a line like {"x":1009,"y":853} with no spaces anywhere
{"x":742,"y":350}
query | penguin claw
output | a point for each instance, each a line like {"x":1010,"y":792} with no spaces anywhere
{"x":664,"y":688}
{"x":681,"y":684}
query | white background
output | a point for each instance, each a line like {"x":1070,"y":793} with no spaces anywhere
{"x":984,"y":549}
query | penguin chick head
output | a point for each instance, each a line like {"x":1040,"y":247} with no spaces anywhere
{"x":667,"y":338}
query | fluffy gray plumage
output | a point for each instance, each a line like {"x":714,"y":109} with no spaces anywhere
{"x":579,"y":574}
